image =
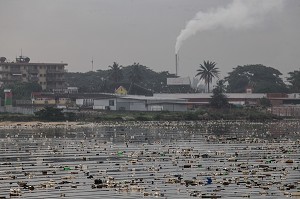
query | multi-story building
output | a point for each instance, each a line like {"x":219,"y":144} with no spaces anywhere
{"x":49,"y":75}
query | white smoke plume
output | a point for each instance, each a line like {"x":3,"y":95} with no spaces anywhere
{"x":237,"y":15}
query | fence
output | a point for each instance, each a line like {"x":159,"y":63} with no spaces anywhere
{"x":292,"y":111}
{"x":21,"y":110}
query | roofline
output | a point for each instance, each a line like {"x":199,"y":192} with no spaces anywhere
{"x":33,"y":64}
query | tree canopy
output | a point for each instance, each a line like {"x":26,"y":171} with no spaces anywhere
{"x":261,"y":78}
{"x":135,"y":73}
{"x":207,"y":72}
{"x":219,"y":99}
{"x":100,"y":81}
{"x":116,"y":74}
{"x":22,"y":90}
{"x":50,"y":114}
{"x":294,"y":80}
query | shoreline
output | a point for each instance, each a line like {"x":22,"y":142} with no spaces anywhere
{"x":86,"y":124}
{"x":38,"y":124}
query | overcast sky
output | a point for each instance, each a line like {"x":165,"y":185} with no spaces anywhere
{"x":144,"y":31}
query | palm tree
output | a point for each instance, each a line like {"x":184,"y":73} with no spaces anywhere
{"x":116,"y":73}
{"x":207,"y":72}
{"x":135,"y":75}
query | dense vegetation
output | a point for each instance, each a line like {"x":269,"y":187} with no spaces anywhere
{"x":218,"y":99}
{"x":139,"y":79}
{"x":132,"y":77}
{"x":56,"y":115}
{"x":21,"y":91}
{"x":261,"y":78}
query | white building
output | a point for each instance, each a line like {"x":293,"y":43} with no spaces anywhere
{"x":140,"y":103}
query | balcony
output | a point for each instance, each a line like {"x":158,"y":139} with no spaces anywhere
{"x":4,"y":71}
{"x":16,"y":78}
{"x":33,"y":71}
{"x":15,"y":71}
{"x":34,"y":79}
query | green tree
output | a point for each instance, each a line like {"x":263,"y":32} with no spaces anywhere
{"x":22,"y":90}
{"x":218,"y":99}
{"x":263,"y":79}
{"x":265,"y":102}
{"x":115,"y":72}
{"x":207,"y":72}
{"x":50,"y":114}
{"x":100,"y":81}
{"x":294,"y":80}
{"x":135,"y":75}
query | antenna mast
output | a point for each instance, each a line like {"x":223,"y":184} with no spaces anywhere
{"x":92,"y":64}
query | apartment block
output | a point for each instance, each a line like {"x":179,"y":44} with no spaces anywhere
{"x":49,"y":75}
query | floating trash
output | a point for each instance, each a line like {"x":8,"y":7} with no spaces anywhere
{"x":151,"y":159}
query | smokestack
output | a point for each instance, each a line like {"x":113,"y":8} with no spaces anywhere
{"x":239,"y":14}
{"x":176,"y":63}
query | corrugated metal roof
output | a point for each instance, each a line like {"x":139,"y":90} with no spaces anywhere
{"x":140,"y":97}
{"x":208,"y":95}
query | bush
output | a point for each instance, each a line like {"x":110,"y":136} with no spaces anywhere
{"x":50,"y":114}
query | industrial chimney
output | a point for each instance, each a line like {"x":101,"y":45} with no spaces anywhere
{"x":176,"y":63}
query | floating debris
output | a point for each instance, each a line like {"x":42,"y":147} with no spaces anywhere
{"x":151,"y":159}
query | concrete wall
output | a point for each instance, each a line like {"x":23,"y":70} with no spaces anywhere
{"x":168,"y":105}
{"x":85,"y":102}
{"x":293,"y":111}
{"x":111,"y":103}
{"x":22,"y":110}
{"x":174,"y":107}
{"x":124,"y":106}
{"x":61,"y":101}
{"x":131,"y":104}
{"x":44,"y":101}
{"x":127,"y":104}
{"x":138,"y":106}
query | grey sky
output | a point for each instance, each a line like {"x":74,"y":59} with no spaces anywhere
{"x":144,"y":31}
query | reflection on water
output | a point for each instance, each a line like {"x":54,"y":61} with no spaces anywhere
{"x":149,"y":159}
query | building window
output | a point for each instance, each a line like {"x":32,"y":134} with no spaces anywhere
{"x":41,"y":75}
{"x":111,"y":102}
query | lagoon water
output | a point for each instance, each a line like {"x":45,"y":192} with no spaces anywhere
{"x":152,"y":159}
